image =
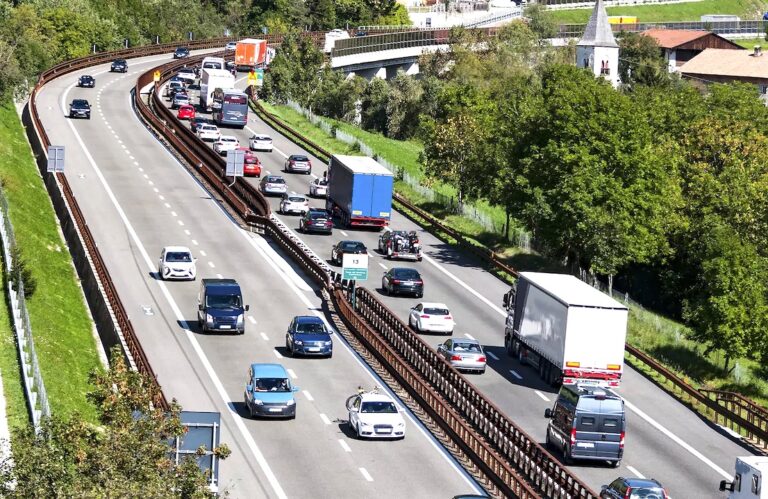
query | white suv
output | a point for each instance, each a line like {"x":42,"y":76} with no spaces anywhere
{"x":375,"y":415}
{"x":294,"y":203}
{"x":226,"y":143}
{"x":176,"y":262}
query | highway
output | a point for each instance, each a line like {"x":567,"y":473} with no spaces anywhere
{"x":664,"y":439}
{"x":137,"y":198}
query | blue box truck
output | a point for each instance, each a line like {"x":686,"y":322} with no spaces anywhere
{"x":359,"y":191}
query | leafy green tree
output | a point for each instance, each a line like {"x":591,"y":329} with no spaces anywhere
{"x":322,"y":14}
{"x":641,"y":62}
{"x":403,"y":106}
{"x":294,"y":71}
{"x":374,"y":106}
{"x":337,"y":96}
{"x":540,"y":20}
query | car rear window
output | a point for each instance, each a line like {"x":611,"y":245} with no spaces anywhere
{"x":295,"y":199}
{"x":406,"y":274}
{"x":646,"y":493}
{"x":353,"y":246}
{"x":318,"y":214}
{"x":300,"y":158}
{"x":600,"y":406}
{"x":275,"y":180}
{"x":436,"y":311}
{"x":466,"y":347}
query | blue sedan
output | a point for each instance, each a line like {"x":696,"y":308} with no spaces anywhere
{"x":307,"y":335}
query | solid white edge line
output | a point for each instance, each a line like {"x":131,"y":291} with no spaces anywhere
{"x":541,"y":396}
{"x":278,"y":151}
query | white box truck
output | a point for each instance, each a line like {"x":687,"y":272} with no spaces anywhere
{"x":747,"y":482}
{"x":210,"y":80}
{"x":571,"y":332}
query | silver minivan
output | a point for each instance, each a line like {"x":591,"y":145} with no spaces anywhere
{"x":587,"y":422}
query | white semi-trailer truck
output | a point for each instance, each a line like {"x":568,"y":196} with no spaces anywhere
{"x":568,"y":330}
{"x":210,"y":80}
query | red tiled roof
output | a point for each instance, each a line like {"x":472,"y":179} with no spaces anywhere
{"x":671,"y":38}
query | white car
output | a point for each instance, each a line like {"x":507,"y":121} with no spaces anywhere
{"x":230,"y":46}
{"x":294,"y":203}
{"x":375,"y":415}
{"x":176,"y":262}
{"x":208,"y":132}
{"x":226,"y":143}
{"x":260,"y":142}
{"x":187,"y":75}
{"x":431,"y":317}
{"x":318,"y":188}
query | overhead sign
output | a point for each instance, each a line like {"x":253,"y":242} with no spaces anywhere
{"x":235,"y":162}
{"x":55,"y":159}
{"x":156,"y":76}
{"x":354,"y":267}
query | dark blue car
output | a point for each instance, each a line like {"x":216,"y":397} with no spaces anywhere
{"x":307,"y":335}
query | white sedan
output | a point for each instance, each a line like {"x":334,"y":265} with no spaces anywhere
{"x":431,"y":317}
{"x":375,"y":415}
{"x":208,"y":132}
{"x":226,"y":143}
{"x":318,"y":188}
{"x":176,"y":262}
{"x":294,"y":203}
{"x":260,"y":142}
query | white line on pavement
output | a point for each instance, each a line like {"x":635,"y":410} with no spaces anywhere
{"x":291,"y":373}
{"x":635,"y":472}
{"x":542,"y":396}
{"x":344,"y":446}
{"x":308,"y":395}
{"x":220,"y":276}
{"x":514,"y":373}
{"x":250,"y":318}
{"x":278,"y":354}
{"x":382,"y":265}
{"x":211,"y":265}
{"x":492,"y":355}
{"x":194,"y":242}
{"x":203,"y":253}
{"x":325,"y":418}
{"x":344,"y":233}
{"x":469,"y":336}
{"x":264,"y":336}
{"x":366,"y":475}
{"x":278,"y":151}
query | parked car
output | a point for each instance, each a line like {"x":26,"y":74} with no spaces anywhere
{"x":180,"y":53}
{"x":432,"y":318}
{"x":633,"y":488}
{"x":463,"y":354}
{"x":402,"y":280}
{"x":180,"y":99}
{"x":220,"y":306}
{"x":173,"y":87}
{"x":208,"y":132}
{"x":587,"y":422}
{"x":251,"y":163}
{"x":226,"y":143}
{"x":197,"y":121}
{"x":86,"y":81}
{"x":260,"y":142}
{"x":230,"y":46}
{"x":176,"y":262}
{"x":316,"y":220}
{"x":318,"y":188}
{"x":293,"y":203}
{"x":375,"y":415}
{"x":269,"y":392}
{"x":273,"y":184}
{"x":119,"y":66}
{"x":186,"y":112}
{"x":342,"y":247}
{"x":298,"y":163}
{"x":307,"y":335}
{"x":80,"y":108}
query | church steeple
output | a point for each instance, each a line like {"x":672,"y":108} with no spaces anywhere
{"x":597,"y":50}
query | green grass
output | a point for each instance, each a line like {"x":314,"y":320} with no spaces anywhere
{"x":749,"y":43}
{"x":61,"y":326}
{"x":688,"y":11}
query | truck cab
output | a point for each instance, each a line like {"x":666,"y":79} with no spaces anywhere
{"x":220,"y":306}
{"x":748,"y":479}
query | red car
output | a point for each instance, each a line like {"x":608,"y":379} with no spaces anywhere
{"x":186,"y":112}
{"x":251,"y":165}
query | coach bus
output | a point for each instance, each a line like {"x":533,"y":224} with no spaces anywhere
{"x":230,"y":107}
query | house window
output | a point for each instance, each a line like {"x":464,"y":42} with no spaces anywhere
{"x":604,"y":69}
{"x":763,"y":89}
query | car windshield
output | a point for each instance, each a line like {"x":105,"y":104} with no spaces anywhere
{"x":646,"y":493}
{"x":310,"y":328}
{"x":378,"y":407}
{"x":271,"y":385}
{"x":299,"y":158}
{"x":436,"y":311}
{"x":79,"y":102}
{"x":223,"y":301}
{"x":178,"y":256}
{"x":406,"y":274}
{"x":466,"y":347}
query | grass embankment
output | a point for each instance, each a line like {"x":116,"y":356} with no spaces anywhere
{"x":688,"y":11}
{"x":749,"y":43}
{"x":61,"y":325}
{"x":660,"y":337}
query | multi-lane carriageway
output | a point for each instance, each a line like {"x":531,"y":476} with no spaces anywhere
{"x":137,"y":198}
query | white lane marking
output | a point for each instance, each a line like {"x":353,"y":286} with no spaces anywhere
{"x":150,"y":182}
{"x":344,"y":233}
{"x":542,"y":396}
{"x":369,"y":254}
{"x":382,"y":265}
{"x":167,"y":205}
{"x":264,"y":336}
{"x":146,"y":176}
{"x":492,"y":355}
{"x":278,"y":151}
{"x":514,"y":373}
{"x":194,"y":242}
{"x":211,"y":265}
{"x":365,"y":474}
{"x":156,"y":191}
{"x":250,"y":318}
{"x":174,"y":214}
{"x":203,"y":253}
{"x":187,"y":232}
{"x":635,"y":472}
{"x":225,"y":398}
{"x":325,"y":418}
{"x":136,"y":163}
{"x":131,"y":157}
{"x":679,"y":441}
{"x":344,"y":446}
{"x":219,"y":276}
{"x":181,"y":223}
{"x":278,"y":354}
{"x":291,"y":373}
{"x":469,"y":336}
{"x":308,"y":395}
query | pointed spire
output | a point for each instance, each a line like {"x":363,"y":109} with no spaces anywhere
{"x":598,"y":32}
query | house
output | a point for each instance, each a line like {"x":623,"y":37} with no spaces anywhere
{"x":725,"y":66}
{"x":597,"y":50}
{"x":681,"y":45}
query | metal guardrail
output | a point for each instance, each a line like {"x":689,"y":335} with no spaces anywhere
{"x":719,"y":27}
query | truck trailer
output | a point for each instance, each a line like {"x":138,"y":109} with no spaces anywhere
{"x":210,"y":80}
{"x":747,"y":482}
{"x":250,"y":53}
{"x":571,"y":332}
{"x":359,"y":191}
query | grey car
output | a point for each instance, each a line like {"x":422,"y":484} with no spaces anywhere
{"x":463,"y":354}
{"x":273,"y":184}
{"x":298,"y":163}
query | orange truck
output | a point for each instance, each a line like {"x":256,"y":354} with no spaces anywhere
{"x":250,"y":53}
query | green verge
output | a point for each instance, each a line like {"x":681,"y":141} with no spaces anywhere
{"x":688,"y":11}
{"x":61,"y":325}
{"x":749,"y":43}
{"x":662,"y":338}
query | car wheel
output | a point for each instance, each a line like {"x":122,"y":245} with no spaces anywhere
{"x":250,"y":410}
{"x":355,"y":431}
{"x":288,"y":348}
{"x":384,"y":288}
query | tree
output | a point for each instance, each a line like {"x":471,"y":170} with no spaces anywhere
{"x":322,"y":14}
{"x":540,"y":20}
{"x":641,"y":61}
{"x":337,"y":96}
{"x":127,"y":454}
{"x":374,"y":106}
{"x":403,"y":107}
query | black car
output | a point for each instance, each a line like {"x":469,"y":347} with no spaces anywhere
{"x":119,"y":66}
{"x":316,"y":220}
{"x":343,"y":247}
{"x":80,"y":108}
{"x":181,"y":52}
{"x":86,"y":81}
{"x":199,"y":120}
{"x":400,"y":280}
{"x":633,"y":487}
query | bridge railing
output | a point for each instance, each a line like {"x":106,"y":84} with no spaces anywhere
{"x":719,"y":27}
{"x":389,"y":41}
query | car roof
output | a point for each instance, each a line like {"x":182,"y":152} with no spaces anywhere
{"x":427,"y":304}
{"x":228,"y":137}
{"x":177,"y":249}
{"x":308,"y":319}
{"x":269,"y":370}
{"x":642,"y":482}
{"x":350,"y":241}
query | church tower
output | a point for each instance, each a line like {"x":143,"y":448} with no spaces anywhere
{"x":597,"y":50}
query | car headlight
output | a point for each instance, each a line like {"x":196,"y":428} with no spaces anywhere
{"x":258,"y":402}
{"x":363,"y":423}
{"x":298,"y":342}
{"x":328,"y":343}
{"x":208,"y":318}
{"x":240,"y":319}
{"x":290,"y":402}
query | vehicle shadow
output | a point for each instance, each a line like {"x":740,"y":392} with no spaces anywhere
{"x":506,"y":365}
{"x":345,"y":428}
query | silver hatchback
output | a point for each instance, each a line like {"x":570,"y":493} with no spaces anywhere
{"x":463,"y":354}
{"x":273,"y":184}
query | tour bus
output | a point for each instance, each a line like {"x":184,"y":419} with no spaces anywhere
{"x":230,"y":107}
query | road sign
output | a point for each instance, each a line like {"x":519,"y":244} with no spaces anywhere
{"x":354,"y":267}
{"x":55,"y":159}
{"x":256,"y":78}
{"x":156,"y":76}
{"x":235,"y":162}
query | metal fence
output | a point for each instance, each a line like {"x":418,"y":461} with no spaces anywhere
{"x":581,"y":4}
{"x":389,"y":41}
{"x":720,"y":27}
{"x":34,"y":389}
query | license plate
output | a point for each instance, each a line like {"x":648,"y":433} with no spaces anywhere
{"x":226,"y":327}
{"x":384,"y":431}
{"x":585,"y":445}
{"x":314,"y":349}
{"x":275,"y":409}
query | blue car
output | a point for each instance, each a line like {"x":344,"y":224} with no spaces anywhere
{"x":307,"y":335}
{"x":269,"y":392}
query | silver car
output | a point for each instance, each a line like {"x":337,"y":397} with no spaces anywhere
{"x":273,"y":184}
{"x":298,"y":163}
{"x":463,"y":354}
